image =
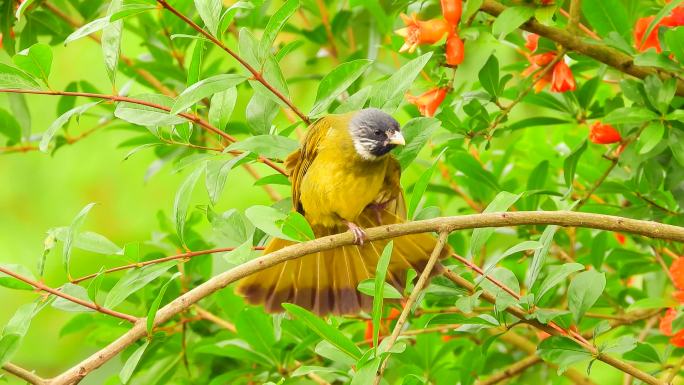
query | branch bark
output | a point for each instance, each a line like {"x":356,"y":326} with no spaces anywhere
{"x":445,"y":224}
{"x":24,"y":374}
{"x":603,"y":53}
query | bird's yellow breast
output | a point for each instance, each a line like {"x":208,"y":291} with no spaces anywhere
{"x":339,"y":184}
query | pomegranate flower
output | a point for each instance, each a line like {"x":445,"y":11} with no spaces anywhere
{"x":419,"y":32}
{"x":429,"y":101}
{"x":454,"y":50}
{"x":677,"y":273}
{"x":604,"y":133}
{"x":674,"y":19}
{"x":666,"y":328}
{"x":562,"y":79}
{"x":531,"y":41}
{"x":452,"y":10}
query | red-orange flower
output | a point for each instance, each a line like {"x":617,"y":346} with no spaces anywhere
{"x":666,"y":328}
{"x":368,"y":335}
{"x":678,"y":296}
{"x":677,"y":273}
{"x":674,"y":19}
{"x":419,"y":32}
{"x":429,"y":101}
{"x":603,"y":133}
{"x":531,"y":41}
{"x":454,"y":50}
{"x":452,"y":9}
{"x":619,"y":237}
{"x":562,"y":79}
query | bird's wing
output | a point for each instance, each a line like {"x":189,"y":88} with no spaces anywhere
{"x":391,"y":195}
{"x":299,"y":161}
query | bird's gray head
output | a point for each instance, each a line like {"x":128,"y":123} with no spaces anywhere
{"x":374,"y":133}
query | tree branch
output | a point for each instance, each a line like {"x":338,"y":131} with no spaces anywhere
{"x":24,"y":374}
{"x":42,"y":287}
{"x":116,"y":98}
{"x":511,"y":370}
{"x":448,"y":224}
{"x":608,"y":55}
{"x":256,"y":74}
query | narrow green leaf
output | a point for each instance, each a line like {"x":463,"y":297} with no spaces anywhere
{"x":557,"y":276}
{"x":583,"y":292}
{"x":380,"y":274}
{"x":13,"y":283}
{"x":203,"y":89}
{"x":95,"y":285}
{"x":268,"y":146}
{"x":388,"y":94}
{"x":9,"y":127}
{"x":135,"y":280}
{"x":71,"y":234}
{"x":489,"y":76}
{"x":13,"y":78}
{"x":501,"y":203}
{"x":217,"y":175}
{"x":76,"y":291}
{"x":35,"y":60}
{"x":570,"y":163}
{"x":132,"y":362}
{"x":522,"y":246}
{"x":643,"y":352}
{"x":607,"y":16}
{"x":510,"y":19}
{"x":421,"y":185}
{"x":417,"y":132}
{"x":111,"y":41}
{"x":256,"y":328}
{"x":148,"y":116}
{"x":271,"y":221}
{"x":367,"y":287}
{"x":296,"y":227}
{"x":87,"y":29}
{"x":221,"y":108}
{"x":195,"y":67}
{"x":563,"y":352}
{"x":210,"y":11}
{"x":181,"y":203}
{"x":325,"y":331}
{"x":152,"y":313}
{"x":276,"y":23}
{"x":674,"y":38}
{"x":650,"y":137}
{"x":128,"y":10}
{"x":60,"y":122}
{"x":540,"y":255}
{"x":336,"y":82}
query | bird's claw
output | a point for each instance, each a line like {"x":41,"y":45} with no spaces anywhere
{"x":359,"y":235}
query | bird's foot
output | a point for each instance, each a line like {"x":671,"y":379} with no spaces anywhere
{"x":378,"y":208}
{"x":359,"y":235}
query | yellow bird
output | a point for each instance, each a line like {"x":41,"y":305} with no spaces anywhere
{"x":343,"y":178}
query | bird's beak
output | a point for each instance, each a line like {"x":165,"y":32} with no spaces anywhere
{"x":397,"y":139}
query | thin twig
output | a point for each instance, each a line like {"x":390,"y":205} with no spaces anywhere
{"x":574,"y":17}
{"x":24,"y":374}
{"x":211,"y":317}
{"x":511,"y":371}
{"x":325,"y":19}
{"x":42,"y":287}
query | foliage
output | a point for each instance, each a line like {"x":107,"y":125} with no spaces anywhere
{"x":505,"y":120}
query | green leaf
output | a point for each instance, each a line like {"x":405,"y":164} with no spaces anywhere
{"x":217,"y":175}
{"x":261,"y":110}
{"x":563,"y":352}
{"x":305,"y":370}
{"x":15,"y":330}
{"x":354,"y":102}
{"x":71,"y":234}
{"x":296,"y":227}
{"x":459,"y":318}
{"x":599,"y":245}
{"x":583,"y":292}
{"x":111,"y":41}
{"x":607,"y":16}
{"x":13,"y":283}
{"x":9,"y":344}
{"x":522,"y":246}
{"x":229,"y":14}
{"x":464,"y":162}
{"x":388,"y":94}
{"x":501,"y":203}
{"x":35,"y":60}
{"x":195,"y":67}
{"x":325,"y":331}
{"x":21,"y":113}
{"x":276,"y":23}
{"x":87,"y":29}
{"x":336,"y":82}
{"x":660,"y":93}
{"x":152,"y":313}
{"x":13,"y":78}
{"x":221,"y":108}
{"x":421,"y":185}
{"x":367,"y":287}
{"x":417,"y":132}
{"x":648,"y":303}
{"x":135,"y":280}
{"x":489,"y":76}
{"x":9,"y":127}
{"x":209,"y":11}
{"x":674,"y":38}
{"x":128,"y":10}
{"x":88,"y":241}
{"x":256,"y":328}
{"x":570,"y":163}
{"x":95,"y":286}
{"x":664,"y":11}
{"x":148,"y":116}
{"x":652,"y":58}
{"x":365,"y":374}
{"x":651,"y":136}
{"x":23,"y":6}
{"x":268,"y":146}
{"x":643,"y":352}
{"x":540,"y":255}
{"x":556,"y":276}
{"x":510,"y":19}
{"x":132,"y":362}
{"x":60,"y":122}
{"x":278,"y":224}
{"x":205,"y":88}
{"x":75,"y":291}
{"x":181,"y":202}
{"x":380,"y":274}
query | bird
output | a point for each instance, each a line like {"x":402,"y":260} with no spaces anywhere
{"x":344,"y":178}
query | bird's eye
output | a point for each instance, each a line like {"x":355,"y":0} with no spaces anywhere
{"x":378,"y":132}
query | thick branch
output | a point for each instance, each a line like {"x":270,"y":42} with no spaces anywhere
{"x":561,"y":218}
{"x":572,"y":42}
{"x":24,"y":374}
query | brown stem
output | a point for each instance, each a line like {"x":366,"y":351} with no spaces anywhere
{"x":24,"y":374}
{"x":325,"y":19}
{"x":511,"y":370}
{"x":211,"y":317}
{"x":450,"y":224}
{"x":256,"y":74}
{"x":42,"y":287}
{"x":116,"y":98}
{"x":574,"y":17}
{"x":582,"y":27}
{"x":608,"y":55}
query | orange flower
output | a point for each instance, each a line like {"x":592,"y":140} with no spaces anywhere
{"x":419,"y":32}
{"x":531,"y":41}
{"x":562,"y":79}
{"x":368,"y":335}
{"x":677,"y":272}
{"x":429,"y":101}
{"x":619,"y":237}
{"x":452,"y":9}
{"x":666,"y":328}
{"x":542,"y":59}
{"x":678,"y":296}
{"x":674,"y":19}
{"x":454,"y":50}
{"x":603,"y":133}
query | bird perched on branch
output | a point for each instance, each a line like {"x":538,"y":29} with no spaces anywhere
{"x":343,"y":178}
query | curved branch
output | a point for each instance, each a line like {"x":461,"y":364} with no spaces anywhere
{"x":603,"y":53}
{"x":445,"y":224}
{"x":24,"y":374}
